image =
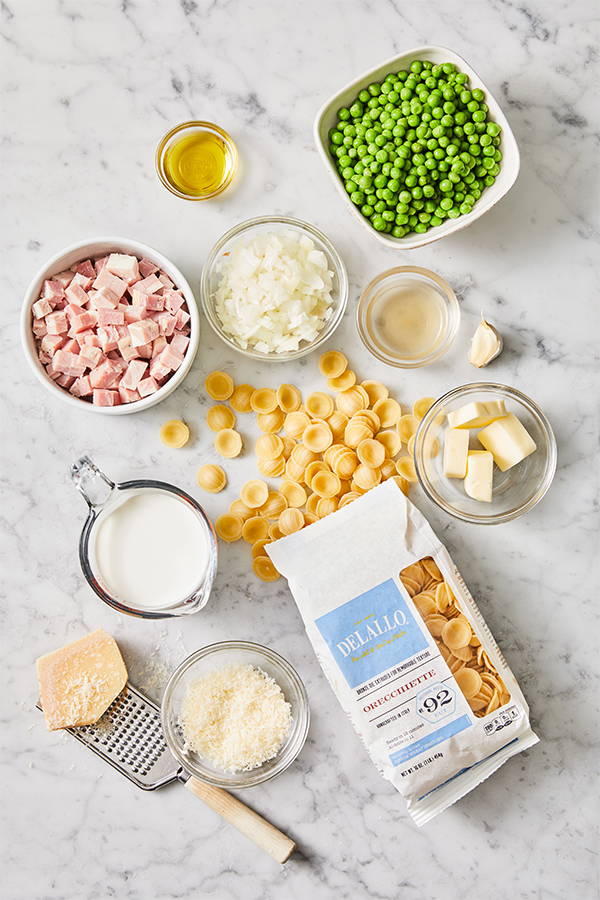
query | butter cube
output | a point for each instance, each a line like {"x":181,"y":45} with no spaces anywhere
{"x":508,"y":441}
{"x":480,"y":470}
{"x":456,"y":448}
{"x":476,"y":414}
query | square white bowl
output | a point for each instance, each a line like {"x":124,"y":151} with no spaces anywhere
{"x":509,"y":167}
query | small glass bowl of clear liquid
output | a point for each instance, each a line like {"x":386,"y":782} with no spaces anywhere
{"x":408,"y":317}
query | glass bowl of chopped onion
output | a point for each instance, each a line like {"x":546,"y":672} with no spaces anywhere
{"x":235,"y":714}
{"x":274,"y":288}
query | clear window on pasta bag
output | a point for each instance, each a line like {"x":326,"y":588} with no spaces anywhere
{"x":473,"y":671}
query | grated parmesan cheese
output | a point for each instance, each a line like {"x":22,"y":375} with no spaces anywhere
{"x":274,"y":292}
{"x":236,"y":718}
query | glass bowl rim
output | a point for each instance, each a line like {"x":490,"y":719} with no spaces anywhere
{"x":205,"y":126}
{"x":94,"y":514}
{"x":253,"y":776}
{"x":333,"y":257}
{"x":550,"y":449}
{"x":452,"y":326}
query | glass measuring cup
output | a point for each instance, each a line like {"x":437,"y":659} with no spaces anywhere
{"x":103,"y":497}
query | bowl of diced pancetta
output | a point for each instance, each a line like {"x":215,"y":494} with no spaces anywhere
{"x":110,"y":325}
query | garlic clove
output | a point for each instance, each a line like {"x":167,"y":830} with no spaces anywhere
{"x":486,"y":344}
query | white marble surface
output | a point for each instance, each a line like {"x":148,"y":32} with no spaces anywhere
{"x":88,"y":90}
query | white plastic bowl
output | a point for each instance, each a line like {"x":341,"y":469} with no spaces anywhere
{"x":100,"y":247}
{"x":509,"y":167}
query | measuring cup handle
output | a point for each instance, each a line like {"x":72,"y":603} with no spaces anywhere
{"x":93,"y":484}
{"x":253,"y":826}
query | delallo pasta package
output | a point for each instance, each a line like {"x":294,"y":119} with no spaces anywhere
{"x":405,"y":648}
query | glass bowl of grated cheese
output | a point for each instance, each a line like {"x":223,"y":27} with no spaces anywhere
{"x":235,"y":714}
{"x":274,"y":288}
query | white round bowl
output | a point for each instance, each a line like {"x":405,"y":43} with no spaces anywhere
{"x":100,"y":247}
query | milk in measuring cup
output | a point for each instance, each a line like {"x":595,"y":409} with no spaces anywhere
{"x":151,"y":549}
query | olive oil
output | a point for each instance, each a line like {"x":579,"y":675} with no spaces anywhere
{"x":198,"y":164}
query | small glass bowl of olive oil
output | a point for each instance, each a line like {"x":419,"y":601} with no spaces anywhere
{"x":196,"y":160}
{"x":408,"y":317}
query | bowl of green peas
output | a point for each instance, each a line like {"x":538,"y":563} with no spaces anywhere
{"x":418,"y":147}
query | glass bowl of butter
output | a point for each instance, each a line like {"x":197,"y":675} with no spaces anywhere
{"x":485,"y":453}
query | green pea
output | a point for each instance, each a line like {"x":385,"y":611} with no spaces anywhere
{"x":343,"y":113}
{"x":479,"y":116}
{"x":363,"y":96}
{"x":387,"y":215}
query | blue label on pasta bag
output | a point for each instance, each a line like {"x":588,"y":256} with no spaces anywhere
{"x":371,"y":633}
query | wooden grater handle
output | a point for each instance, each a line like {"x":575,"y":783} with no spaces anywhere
{"x":253,"y":826}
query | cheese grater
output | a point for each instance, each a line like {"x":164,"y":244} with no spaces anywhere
{"x":129,"y":737}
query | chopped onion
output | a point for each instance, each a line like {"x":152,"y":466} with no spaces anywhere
{"x":274,"y":292}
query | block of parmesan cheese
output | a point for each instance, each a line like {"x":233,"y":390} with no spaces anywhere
{"x":79,"y":682}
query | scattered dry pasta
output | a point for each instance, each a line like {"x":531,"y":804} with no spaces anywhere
{"x":175,"y":434}
{"x":211,"y":478}
{"x":240,"y":399}
{"x":228,"y":443}
{"x":219,"y":417}
{"x":328,"y":452}
{"x":219,"y":385}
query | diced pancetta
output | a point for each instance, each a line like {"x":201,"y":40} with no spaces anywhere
{"x":119,"y":319}
{"x":81,"y":387}
{"x":112,"y":282}
{"x":127,"y":396}
{"x":84,"y":281}
{"x":111,"y":317}
{"x":109,"y":338}
{"x":76,"y":294}
{"x":106,"y":375}
{"x":106,"y":398}
{"x":143,"y":332}
{"x":147,"y":267}
{"x":53,"y":289}
{"x":134,"y":374}
{"x":149,"y":285}
{"x":41,"y":308}
{"x":123,"y":265}
{"x":147,"y":386}
{"x":85,"y":268}
{"x":51,"y":343}
{"x":68,"y":363}
{"x":57,"y":323}
{"x":179,"y":342}
{"x":92,"y":356}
